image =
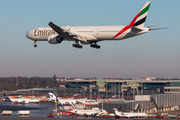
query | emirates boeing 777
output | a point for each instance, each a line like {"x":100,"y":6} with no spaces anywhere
{"x":91,"y":34}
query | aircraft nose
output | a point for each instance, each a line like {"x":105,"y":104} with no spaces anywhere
{"x":29,"y":34}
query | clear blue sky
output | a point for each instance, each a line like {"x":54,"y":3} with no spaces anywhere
{"x":156,"y":53}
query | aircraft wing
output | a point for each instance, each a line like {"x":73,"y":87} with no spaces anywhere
{"x":69,"y":35}
{"x":60,"y":31}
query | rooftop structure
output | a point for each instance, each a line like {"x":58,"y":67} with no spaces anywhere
{"x":106,"y":88}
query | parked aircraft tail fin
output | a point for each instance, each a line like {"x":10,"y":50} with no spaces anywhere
{"x":117,"y":113}
{"x":52,"y":96}
{"x":58,"y":103}
{"x":73,"y":106}
{"x":6,"y":98}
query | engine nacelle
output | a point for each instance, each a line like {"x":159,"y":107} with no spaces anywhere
{"x":55,"y":39}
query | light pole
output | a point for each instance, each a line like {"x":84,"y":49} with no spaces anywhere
{"x":98,"y":92}
{"x":119,"y":90}
{"x":106,"y":92}
{"x":122,"y":89}
{"x":115,"y":90}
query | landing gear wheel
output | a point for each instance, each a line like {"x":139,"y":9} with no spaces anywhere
{"x":95,"y":46}
{"x":80,"y":46}
{"x":98,"y":47}
{"x":35,"y":45}
{"x":77,"y":46}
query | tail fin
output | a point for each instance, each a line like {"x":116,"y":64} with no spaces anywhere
{"x":73,"y":106}
{"x":115,"y":109}
{"x":58,"y":103}
{"x":52,"y":96}
{"x":140,"y":18}
{"x":6,"y":98}
{"x":116,"y":112}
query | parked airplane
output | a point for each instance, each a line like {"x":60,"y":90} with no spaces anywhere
{"x":87,"y":112}
{"x":91,"y":34}
{"x":88,"y":102}
{"x":53,"y":97}
{"x":127,"y":114}
{"x":20,"y":100}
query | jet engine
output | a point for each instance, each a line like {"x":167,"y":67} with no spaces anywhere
{"x":55,"y":39}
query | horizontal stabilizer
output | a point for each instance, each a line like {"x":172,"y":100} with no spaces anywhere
{"x":158,"y":28}
{"x":136,"y":28}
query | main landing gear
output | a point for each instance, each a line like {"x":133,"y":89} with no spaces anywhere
{"x":76,"y":45}
{"x":35,"y":45}
{"x":95,"y":45}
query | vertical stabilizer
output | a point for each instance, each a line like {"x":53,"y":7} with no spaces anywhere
{"x":141,"y":16}
{"x":73,"y":106}
{"x":139,"y":19}
{"x":6,"y":98}
{"x":52,"y":96}
{"x":58,"y":103}
{"x":116,"y":112}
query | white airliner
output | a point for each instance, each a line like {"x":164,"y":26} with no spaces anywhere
{"x":126,"y":114}
{"x":87,"y":112}
{"x":91,"y":34}
{"x":20,"y":100}
{"x":62,"y":101}
{"x":88,"y":102}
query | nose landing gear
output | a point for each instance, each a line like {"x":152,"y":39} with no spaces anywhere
{"x":35,"y":45}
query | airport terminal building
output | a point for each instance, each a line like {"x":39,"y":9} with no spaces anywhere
{"x":107,"y":88}
{"x":126,"y":95}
